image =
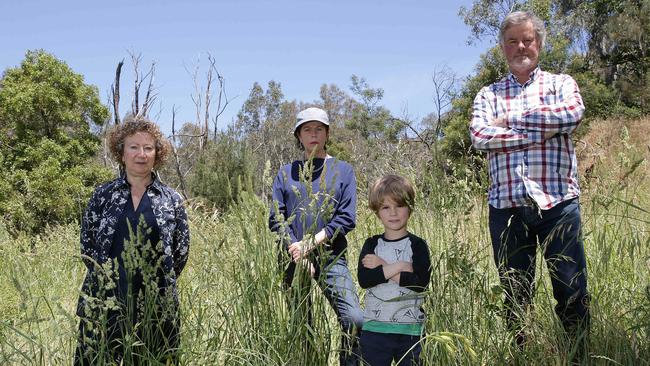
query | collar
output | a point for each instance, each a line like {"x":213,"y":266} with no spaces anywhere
{"x":383,"y":236}
{"x":531,"y":77}
{"x":155,"y":182}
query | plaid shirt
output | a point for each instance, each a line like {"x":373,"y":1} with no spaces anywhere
{"x":525,"y":168}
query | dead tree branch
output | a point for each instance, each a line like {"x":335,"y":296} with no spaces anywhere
{"x":151,"y":95}
{"x":135,"y":104}
{"x":181,"y":177}
{"x":208,"y":99}
{"x":137,"y":108}
{"x":445,"y":88}
{"x":115,"y":91}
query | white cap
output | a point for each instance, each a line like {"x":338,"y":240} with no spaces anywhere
{"x":311,"y":114}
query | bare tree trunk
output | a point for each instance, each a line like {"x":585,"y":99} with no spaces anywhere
{"x":115,"y":90}
{"x":202,"y":102}
{"x":222,"y":101}
{"x":445,"y":87}
{"x":208,"y":99}
{"x":150,"y":97}
{"x":181,"y":178}
{"x":196,"y":99}
{"x":135,"y":105}
{"x":138,"y":109}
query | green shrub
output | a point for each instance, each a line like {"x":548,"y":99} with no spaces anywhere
{"x":223,"y":171}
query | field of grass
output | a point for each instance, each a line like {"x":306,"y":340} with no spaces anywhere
{"x":234,"y":311}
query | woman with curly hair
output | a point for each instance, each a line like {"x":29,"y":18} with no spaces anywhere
{"x":134,"y":243}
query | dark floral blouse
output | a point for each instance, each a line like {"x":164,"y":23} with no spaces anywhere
{"x":99,"y":225}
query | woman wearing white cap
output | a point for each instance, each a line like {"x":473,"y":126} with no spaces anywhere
{"x":314,"y":208}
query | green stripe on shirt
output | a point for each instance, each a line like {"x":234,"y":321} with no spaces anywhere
{"x":381,"y":327}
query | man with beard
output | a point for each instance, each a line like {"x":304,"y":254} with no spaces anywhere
{"x":524,"y":122}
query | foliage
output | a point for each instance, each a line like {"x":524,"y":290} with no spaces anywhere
{"x":620,"y":47}
{"x":53,"y":190}
{"x":456,"y":145}
{"x":372,"y":120}
{"x":266,"y":122}
{"x":223,"y":171}
{"x":611,"y":35}
{"x":338,"y":105}
{"x":45,"y":98}
{"x":46,"y":115}
{"x":260,"y":107}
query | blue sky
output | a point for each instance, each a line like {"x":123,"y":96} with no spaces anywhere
{"x":395,"y":45}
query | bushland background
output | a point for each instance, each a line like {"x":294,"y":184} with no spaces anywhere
{"x":52,"y":155}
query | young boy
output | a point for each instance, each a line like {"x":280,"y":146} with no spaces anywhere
{"x":395,"y":269}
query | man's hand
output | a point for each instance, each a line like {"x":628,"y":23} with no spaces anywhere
{"x":500,"y":122}
{"x":372,"y":261}
{"x":549,"y":134}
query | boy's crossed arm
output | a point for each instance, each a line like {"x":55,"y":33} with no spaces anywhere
{"x":372,"y":270}
{"x":391,"y":271}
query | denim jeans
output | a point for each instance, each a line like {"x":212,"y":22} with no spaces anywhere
{"x":517,"y":233}
{"x":338,"y":287}
{"x":380,"y":349}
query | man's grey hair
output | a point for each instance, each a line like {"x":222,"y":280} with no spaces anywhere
{"x":521,"y":17}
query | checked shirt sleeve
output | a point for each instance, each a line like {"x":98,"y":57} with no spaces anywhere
{"x":492,"y":138}
{"x":560,"y":111}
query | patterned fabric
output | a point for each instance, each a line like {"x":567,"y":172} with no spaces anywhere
{"x":523,"y":166}
{"x":99,"y":225}
{"x":391,"y":307}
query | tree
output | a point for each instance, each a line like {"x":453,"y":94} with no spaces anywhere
{"x":619,"y":45}
{"x":223,"y":171}
{"x":47,"y":115}
{"x":43,"y":98}
{"x":611,"y":35}
{"x":456,"y":144}
{"x":265,"y":122}
{"x":260,"y":107}
{"x":484,"y":17}
{"x":336,"y":103}
{"x":368,"y":117}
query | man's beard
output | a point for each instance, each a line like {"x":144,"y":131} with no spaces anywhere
{"x":522,"y":63}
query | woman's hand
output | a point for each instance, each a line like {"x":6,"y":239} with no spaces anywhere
{"x":309,"y":266}
{"x":372,"y":261}
{"x":298,"y":250}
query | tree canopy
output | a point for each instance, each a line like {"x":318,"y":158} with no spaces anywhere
{"x":46,"y":117}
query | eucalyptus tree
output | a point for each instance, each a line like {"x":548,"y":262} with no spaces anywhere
{"x":48,"y":116}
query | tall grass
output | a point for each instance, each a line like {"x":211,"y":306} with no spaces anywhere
{"x":234,"y":310}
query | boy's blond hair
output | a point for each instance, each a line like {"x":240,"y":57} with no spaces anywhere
{"x":398,"y":188}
